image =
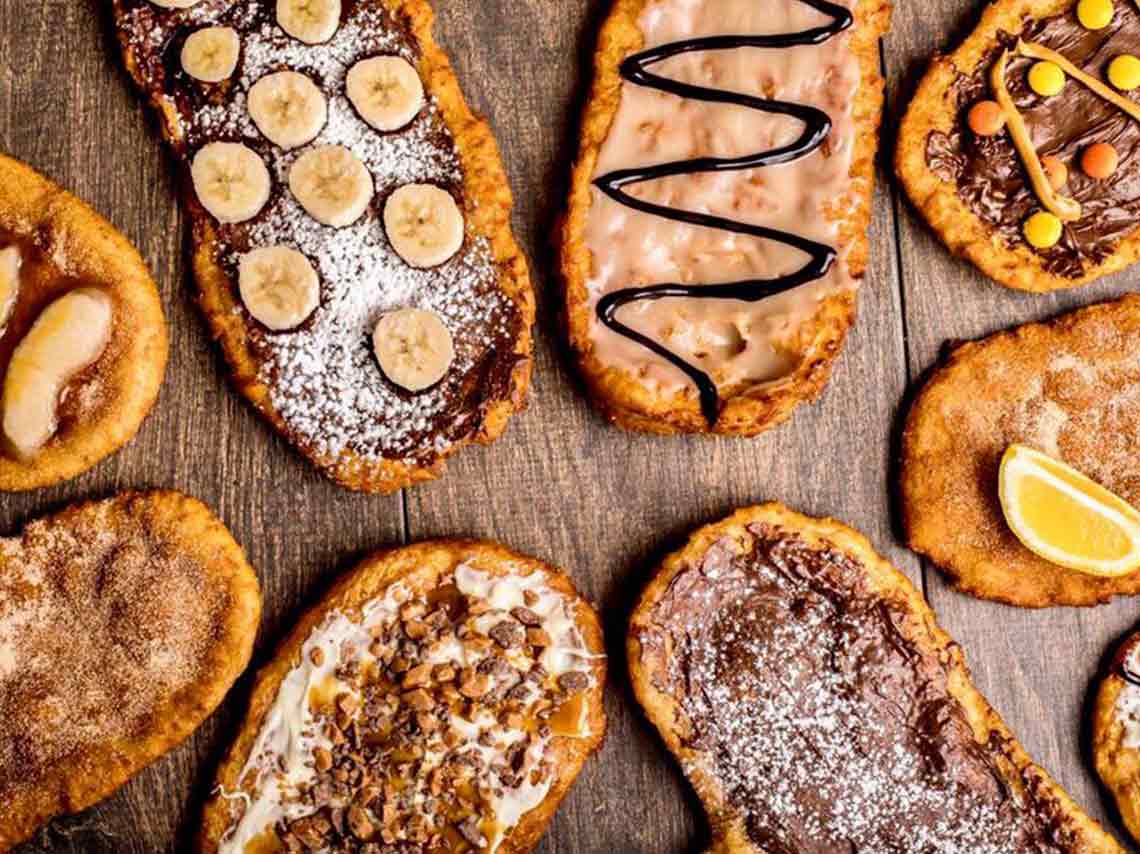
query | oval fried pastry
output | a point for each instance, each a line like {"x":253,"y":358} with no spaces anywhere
{"x":123,"y":623}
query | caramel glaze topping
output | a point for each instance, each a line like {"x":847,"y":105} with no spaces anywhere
{"x":827,"y":727}
{"x":989,"y":175}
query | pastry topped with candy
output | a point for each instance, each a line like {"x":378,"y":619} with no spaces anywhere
{"x":82,"y":334}
{"x":716,"y":230}
{"x":351,"y":225}
{"x":1022,"y":147}
{"x":442,"y":698}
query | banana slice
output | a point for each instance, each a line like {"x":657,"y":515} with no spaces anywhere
{"x":424,"y":224}
{"x":413,"y":347}
{"x":311,"y":21}
{"x":331,"y":184}
{"x":10,"y":262}
{"x":68,"y":336}
{"x":288,"y":108}
{"x":175,"y":4}
{"x":231,"y":181}
{"x":211,"y":54}
{"x":386,"y":91}
{"x":279,"y":286}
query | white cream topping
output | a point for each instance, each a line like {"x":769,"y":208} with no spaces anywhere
{"x":1128,"y":703}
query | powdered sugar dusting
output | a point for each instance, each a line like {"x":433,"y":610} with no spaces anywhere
{"x":323,"y":378}
{"x":827,"y":728}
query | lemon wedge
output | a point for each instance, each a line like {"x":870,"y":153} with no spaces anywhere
{"x":1066,"y":518}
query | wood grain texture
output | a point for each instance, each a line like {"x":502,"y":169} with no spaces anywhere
{"x":603,"y":504}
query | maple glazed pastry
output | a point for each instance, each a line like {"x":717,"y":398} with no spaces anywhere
{"x":717,"y":219}
{"x":816,"y":706}
{"x":1065,"y":388}
{"x":1020,"y":148}
{"x":1116,"y":732}
{"x":82,"y":335}
{"x":351,"y":225}
{"x":123,"y":623}
{"x":441,"y":698}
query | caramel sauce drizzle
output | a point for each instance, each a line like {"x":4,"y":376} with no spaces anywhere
{"x":817,"y":126}
{"x":1065,"y":208}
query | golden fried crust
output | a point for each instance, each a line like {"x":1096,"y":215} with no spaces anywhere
{"x":91,"y":251}
{"x":934,"y":108}
{"x":487,"y":214}
{"x":921,"y":630}
{"x":1117,"y":766}
{"x":747,"y":411}
{"x":420,"y":567}
{"x":1073,"y":371}
{"x":185,"y":526}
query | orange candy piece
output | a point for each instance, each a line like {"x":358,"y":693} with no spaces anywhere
{"x":986,"y":118}
{"x":1056,"y":170}
{"x":1099,"y":160}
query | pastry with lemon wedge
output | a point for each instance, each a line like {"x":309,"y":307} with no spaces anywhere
{"x":1019,"y":475}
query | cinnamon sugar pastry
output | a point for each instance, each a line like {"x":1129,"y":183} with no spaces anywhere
{"x":442,"y":697}
{"x":351,"y":225}
{"x":82,"y":334}
{"x":717,"y":218}
{"x":816,"y":706}
{"x":123,"y":623}
{"x":1067,"y":388}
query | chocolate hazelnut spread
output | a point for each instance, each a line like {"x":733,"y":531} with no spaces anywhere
{"x":826,"y":726}
{"x":988,"y":173}
{"x":322,"y":377}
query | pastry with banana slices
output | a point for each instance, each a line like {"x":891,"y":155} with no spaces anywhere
{"x":1021,"y":148}
{"x":441,"y":698}
{"x":82,"y":334}
{"x":351,"y":225}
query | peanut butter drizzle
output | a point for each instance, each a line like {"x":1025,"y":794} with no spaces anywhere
{"x":1066,"y":209}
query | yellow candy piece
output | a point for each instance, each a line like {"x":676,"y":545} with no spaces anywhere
{"x":1124,"y":72}
{"x":1094,"y":14}
{"x":1046,"y":78}
{"x":1042,"y":230}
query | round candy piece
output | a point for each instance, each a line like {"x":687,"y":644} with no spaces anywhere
{"x":1124,"y":72}
{"x":1046,"y":78}
{"x":1094,"y":14}
{"x":1055,"y":170}
{"x":986,"y":118}
{"x":1042,"y":230}
{"x":1099,"y":160}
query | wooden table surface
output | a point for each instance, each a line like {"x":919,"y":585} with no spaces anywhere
{"x":604,"y":504}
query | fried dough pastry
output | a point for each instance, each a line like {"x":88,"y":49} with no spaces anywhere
{"x":977,"y":190}
{"x":1066,"y":387}
{"x":816,"y":706}
{"x":442,"y":697}
{"x":1116,"y":732}
{"x":82,"y":335}
{"x":705,"y":292}
{"x":351,"y":226}
{"x":123,"y":623}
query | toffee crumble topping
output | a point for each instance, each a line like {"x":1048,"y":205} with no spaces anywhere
{"x":988,"y":173}
{"x":424,"y":726}
{"x":323,"y":377}
{"x":828,"y":728}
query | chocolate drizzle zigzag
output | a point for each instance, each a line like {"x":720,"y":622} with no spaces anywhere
{"x":817,"y":125}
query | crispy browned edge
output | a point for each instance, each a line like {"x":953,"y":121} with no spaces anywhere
{"x":748,"y":410}
{"x":921,"y":629}
{"x":85,"y":779}
{"x":31,"y":206}
{"x":919,"y":477}
{"x":1117,"y":766}
{"x":488,"y":214}
{"x":935,"y":108}
{"x":420,"y":565}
